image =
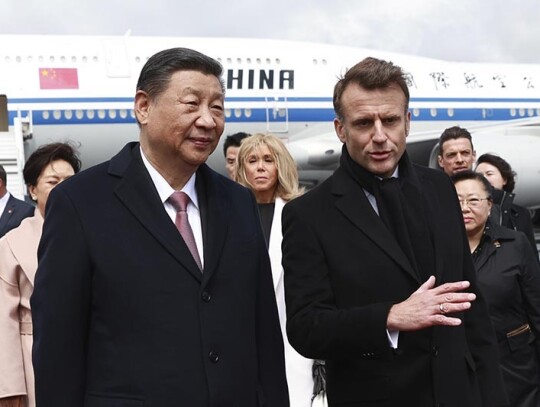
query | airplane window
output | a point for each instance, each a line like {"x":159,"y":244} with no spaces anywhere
{"x":74,"y":59}
{"x":268,"y":61}
{"x":433,"y":112}
{"x":6,"y":59}
{"x":258,"y":60}
{"x":229,"y":60}
{"x":90,"y":114}
{"x":450,"y":112}
{"x":132,"y":113}
{"x":95,"y":59}
{"x":29,"y":58}
{"x":521,"y":112}
{"x":248,"y":60}
{"x":227,"y":113}
{"x":85,"y":59}
{"x":18,"y":58}
{"x":530,"y":112}
{"x":123,"y":113}
{"x":63,"y":58}
{"x":68,"y":114}
{"x":79,"y":114}
{"x":237,"y":112}
{"x":137,"y":59}
{"x":101,"y":114}
{"x":57,"y":114}
{"x":112,"y":114}
{"x":513,"y":112}
{"x":416,"y":112}
{"x":51,"y":58}
{"x":314,"y":62}
{"x":40,"y":58}
{"x":538,"y":112}
{"x":247,"y":112}
{"x":324,"y":62}
{"x":278,"y":61}
{"x":219,"y":60}
{"x":238,"y":60}
{"x":46,"y":115}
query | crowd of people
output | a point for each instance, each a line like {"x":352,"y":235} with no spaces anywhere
{"x":152,"y":280}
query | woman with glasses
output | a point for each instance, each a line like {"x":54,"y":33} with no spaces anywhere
{"x":509,"y":278}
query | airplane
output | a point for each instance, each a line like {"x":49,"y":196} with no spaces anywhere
{"x":81,"y":88}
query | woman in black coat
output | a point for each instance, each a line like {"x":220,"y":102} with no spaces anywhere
{"x":505,"y":212}
{"x":509,"y":277}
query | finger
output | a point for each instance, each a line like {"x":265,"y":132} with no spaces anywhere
{"x":449,"y":308}
{"x":444,"y":320}
{"x":428,"y":285}
{"x":452,"y":287}
{"x":455,"y":298}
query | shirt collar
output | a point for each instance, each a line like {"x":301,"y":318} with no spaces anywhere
{"x":164,"y":189}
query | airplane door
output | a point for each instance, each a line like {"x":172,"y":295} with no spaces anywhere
{"x":116,"y":58}
{"x":277,"y":114}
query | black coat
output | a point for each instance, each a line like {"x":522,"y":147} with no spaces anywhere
{"x":506,"y":213}
{"x":124,"y":317}
{"x":14,"y":213}
{"x":343,"y":271}
{"x":509,"y":277}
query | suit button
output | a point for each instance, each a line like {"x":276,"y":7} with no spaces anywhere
{"x":206,"y":296}
{"x":213,"y":356}
{"x":435,"y":351}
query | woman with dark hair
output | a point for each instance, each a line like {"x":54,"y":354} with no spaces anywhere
{"x":509,"y":278}
{"x":505,"y":212}
{"x":48,"y":166}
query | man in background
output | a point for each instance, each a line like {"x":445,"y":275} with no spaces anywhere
{"x":456,"y":151}
{"x":230,"y":150}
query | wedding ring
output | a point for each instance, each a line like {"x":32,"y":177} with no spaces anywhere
{"x":442,"y":308}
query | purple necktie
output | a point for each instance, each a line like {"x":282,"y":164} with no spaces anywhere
{"x":179,"y":200}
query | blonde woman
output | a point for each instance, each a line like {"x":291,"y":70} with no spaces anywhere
{"x":265,"y":166}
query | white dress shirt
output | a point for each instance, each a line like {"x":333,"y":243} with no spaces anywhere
{"x":165,"y":191}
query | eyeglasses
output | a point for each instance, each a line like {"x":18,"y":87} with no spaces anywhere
{"x":473,"y":202}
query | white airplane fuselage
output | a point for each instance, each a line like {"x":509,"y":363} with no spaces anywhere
{"x":82,"y":88}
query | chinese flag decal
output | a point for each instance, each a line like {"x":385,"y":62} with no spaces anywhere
{"x":58,"y":78}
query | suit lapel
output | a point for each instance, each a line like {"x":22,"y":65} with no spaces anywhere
{"x":353,"y":204}
{"x":138,"y":193}
{"x":6,"y":215}
{"x":214,"y":206}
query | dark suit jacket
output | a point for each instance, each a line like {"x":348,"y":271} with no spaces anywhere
{"x":505,"y":212}
{"x":123,"y":316}
{"x":343,"y":272}
{"x":15,"y":211}
{"x":509,"y":276}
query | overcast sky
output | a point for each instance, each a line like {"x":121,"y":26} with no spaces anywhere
{"x":460,"y":30}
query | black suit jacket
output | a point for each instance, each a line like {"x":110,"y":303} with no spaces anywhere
{"x":123,"y":316}
{"x":344,"y":270}
{"x":15,"y":211}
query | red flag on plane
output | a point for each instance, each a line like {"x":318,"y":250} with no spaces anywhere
{"x":58,"y":78}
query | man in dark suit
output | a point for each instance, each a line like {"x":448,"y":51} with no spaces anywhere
{"x":378,"y":277}
{"x":12,"y":210}
{"x":129,"y":310}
